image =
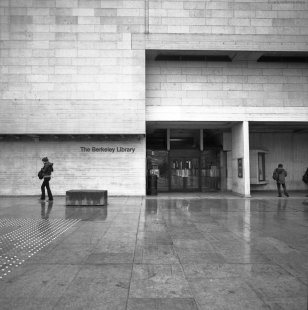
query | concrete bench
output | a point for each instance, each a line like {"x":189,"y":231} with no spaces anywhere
{"x":86,"y":197}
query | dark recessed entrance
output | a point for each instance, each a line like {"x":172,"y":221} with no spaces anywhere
{"x":185,"y":160}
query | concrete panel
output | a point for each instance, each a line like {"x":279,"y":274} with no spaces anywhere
{"x":214,"y":112}
{"x":114,"y":165}
{"x":290,"y":149}
{"x":245,"y":89}
{"x":55,"y":40}
{"x":257,"y":25}
{"x":259,"y":40}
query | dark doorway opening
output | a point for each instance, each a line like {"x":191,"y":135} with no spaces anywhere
{"x":185,"y":160}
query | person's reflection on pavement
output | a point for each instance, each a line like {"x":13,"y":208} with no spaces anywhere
{"x":281,"y":208}
{"x":282,"y":204}
{"x":45,"y":213}
{"x":305,"y":203}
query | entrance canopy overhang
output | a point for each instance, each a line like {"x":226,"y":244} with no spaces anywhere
{"x":271,"y":127}
{"x":227,"y":55}
{"x":223,"y":126}
{"x":279,"y":127}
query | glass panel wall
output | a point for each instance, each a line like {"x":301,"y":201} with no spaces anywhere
{"x":184,"y":167}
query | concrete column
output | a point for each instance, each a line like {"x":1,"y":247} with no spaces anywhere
{"x":240,"y":159}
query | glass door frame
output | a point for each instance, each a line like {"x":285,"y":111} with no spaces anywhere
{"x":184,"y":154}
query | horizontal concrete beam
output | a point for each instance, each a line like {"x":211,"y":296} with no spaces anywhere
{"x":296,"y":43}
{"x":198,"y":113}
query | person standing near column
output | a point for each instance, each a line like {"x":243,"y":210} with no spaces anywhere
{"x":279,"y":175}
{"x":47,"y":170}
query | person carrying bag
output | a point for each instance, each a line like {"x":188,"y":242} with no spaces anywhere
{"x":45,"y":174}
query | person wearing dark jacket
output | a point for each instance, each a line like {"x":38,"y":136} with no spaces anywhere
{"x":305,"y":178}
{"x":279,"y":176}
{"x":47,"y":170}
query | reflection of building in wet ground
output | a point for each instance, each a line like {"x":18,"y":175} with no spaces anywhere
{"x":305,"y":203}
{"x":158,"y":253}
{"x":86,"y":212}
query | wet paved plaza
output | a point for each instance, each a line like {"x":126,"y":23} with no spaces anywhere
{"x":176,"y":252}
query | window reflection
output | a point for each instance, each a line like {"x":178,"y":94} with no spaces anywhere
{"x":261,"y":166}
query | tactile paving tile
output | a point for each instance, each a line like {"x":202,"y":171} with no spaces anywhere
{"x":20,"y":239}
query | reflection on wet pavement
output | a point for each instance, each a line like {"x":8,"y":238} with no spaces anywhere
{"x":157,"y":253}
{"x":86,"y":213}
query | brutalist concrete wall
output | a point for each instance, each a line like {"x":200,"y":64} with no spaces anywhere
{"x":116,"y":165}
{"x":226,"y":91}
{"x":67,"y":66}
{"x":226,"y":25}
{"x":272,"y":17}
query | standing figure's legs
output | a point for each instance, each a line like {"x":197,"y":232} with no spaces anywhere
{"x":278,"y":189}
{"x":285,"y":189}
{"x":43,"y":190}
{"x":48,"y":189}
{"x":46,"y":184}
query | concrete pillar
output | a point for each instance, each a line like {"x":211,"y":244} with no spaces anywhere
{"x":240,"y":159}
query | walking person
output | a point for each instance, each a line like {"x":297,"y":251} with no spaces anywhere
{"x":279,"y":175}
{"x":47,"y":170}
{"x":305,"y":178}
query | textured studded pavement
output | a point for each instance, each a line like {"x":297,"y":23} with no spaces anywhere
{"x":175,"y":252}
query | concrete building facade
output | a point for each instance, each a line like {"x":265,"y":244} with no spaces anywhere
{"x":209,"y":95}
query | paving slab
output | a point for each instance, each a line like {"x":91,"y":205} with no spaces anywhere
{"x":172,"y":251}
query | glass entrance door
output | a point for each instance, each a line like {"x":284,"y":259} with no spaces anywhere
{"x":210,"y":170}
{"x":184,"y":174}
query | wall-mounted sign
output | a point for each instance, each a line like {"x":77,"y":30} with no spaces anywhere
{"x":117,"y":149}
{"x":240,"y":167}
